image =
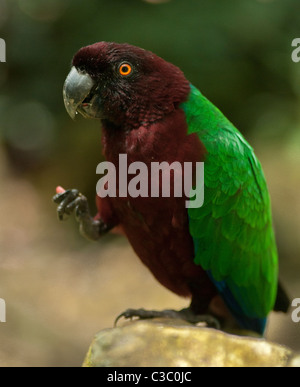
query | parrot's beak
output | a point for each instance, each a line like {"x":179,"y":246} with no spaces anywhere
{"x":79,"y":94}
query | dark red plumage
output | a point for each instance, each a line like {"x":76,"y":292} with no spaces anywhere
{"x":157,"y":228}
{"x":145,"y":122}
{"x":153,"y":91}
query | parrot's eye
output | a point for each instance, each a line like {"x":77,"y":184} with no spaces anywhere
{"x":125,"y":69}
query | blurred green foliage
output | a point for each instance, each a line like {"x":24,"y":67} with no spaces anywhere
{"x":236,"y":52}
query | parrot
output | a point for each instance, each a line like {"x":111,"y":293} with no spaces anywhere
{"x":222,"y":255}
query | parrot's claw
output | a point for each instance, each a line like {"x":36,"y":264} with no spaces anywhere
{"x":72,"y":200}
{"x":69,"y":201}
{"x":184,"y":314}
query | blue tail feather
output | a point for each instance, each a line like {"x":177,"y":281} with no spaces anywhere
{"x":254,"y":324}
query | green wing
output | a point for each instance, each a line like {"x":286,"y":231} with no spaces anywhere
{"x":233,"y":234}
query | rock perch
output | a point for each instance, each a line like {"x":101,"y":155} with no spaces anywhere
{"x":174,"y":343}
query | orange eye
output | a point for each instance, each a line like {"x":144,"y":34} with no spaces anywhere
{"x":125,"y":69}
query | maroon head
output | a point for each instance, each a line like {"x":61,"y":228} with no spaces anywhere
{"x":123,"y":85}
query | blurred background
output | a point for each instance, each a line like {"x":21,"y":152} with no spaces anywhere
{"x":60,"y":289}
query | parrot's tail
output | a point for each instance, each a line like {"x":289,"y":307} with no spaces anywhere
{"x":283,"y":302}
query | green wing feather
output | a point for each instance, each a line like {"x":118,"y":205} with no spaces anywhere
{"x":232,"y":232}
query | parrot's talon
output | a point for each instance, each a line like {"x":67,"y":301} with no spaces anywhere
{"x":125,"y":315}
{"x":58,"y":198}
{"x":184,"y":314}
{"x":72,"y":201}
{"x":69,"y":201}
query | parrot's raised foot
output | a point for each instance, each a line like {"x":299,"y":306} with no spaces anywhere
{"x":184,"y":314}
{"x":72,"y":200}
{"x":68,"y":201}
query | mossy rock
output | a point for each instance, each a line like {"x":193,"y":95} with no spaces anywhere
{"x":174,"y":343}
